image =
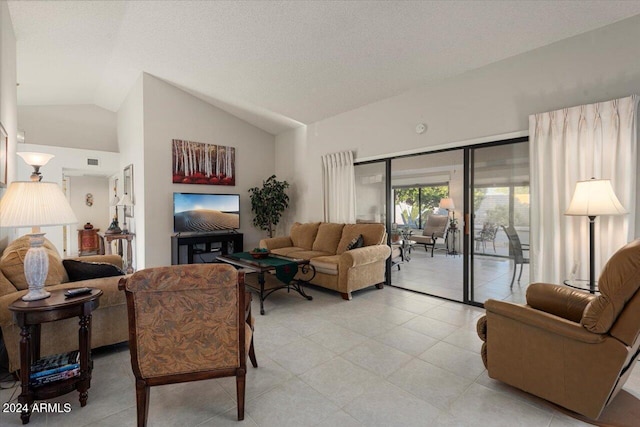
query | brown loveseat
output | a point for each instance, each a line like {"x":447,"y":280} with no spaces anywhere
{"x":109,"y":321}
{"x":566,"y":346}
{"x":325,"y":245}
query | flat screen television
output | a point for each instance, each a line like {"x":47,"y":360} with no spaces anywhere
{"x":202,"y":213}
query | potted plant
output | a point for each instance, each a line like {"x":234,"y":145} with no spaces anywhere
{"x":453,"y":223}
{"x":268,"y":203}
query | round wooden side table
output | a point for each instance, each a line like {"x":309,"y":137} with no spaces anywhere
{"x":29,"y":315}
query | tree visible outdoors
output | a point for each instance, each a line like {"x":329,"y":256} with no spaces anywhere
{"x":500,"y":214}
{"x":416,"y":203}
{"x":478,"y":197}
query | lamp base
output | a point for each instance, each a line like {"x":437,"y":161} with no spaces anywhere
{"x":36,"y":267}
{"x":35,"y":295}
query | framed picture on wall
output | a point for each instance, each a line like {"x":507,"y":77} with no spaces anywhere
{"x":128,"y":188}
{"x":4,"y":146}
{"x":201,"y":163}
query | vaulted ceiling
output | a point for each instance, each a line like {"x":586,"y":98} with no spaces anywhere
{"x":277,"y":64}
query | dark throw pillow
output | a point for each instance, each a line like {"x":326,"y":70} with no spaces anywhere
{"x":80,"y":270}
{"x":357,"y":242}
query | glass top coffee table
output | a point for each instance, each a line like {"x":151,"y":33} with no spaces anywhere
{"x":582,"y":285}
{"x":284,"y":269}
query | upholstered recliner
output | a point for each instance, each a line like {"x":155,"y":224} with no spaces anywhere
{"x":566,"y":346}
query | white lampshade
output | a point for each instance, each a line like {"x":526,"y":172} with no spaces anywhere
{"x":125,"y":201}
{"x":447,"y":203}
{"x":35,"y":159}
{"x":35,"y":204}
{"x":595,"y":197}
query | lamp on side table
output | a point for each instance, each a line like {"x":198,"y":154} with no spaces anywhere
{"x":35,"y":204}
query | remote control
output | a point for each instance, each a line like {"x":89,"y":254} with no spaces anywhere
{"x":77,"y":291}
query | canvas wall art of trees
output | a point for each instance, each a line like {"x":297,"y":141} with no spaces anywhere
{"x":200,"y":163}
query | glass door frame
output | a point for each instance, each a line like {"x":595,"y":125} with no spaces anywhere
{"x":388,"y":211}
{"x":469,"y":208}
{"x":468,"y":230}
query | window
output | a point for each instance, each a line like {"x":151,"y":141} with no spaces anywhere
{"x":414,"y":204}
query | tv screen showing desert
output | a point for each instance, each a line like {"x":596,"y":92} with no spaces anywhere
{"x":206,"y":212}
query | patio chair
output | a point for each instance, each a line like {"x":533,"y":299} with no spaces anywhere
{"x":517,"y":252}
{"x":487,"y":234}
{"x":434,"y":229}
{"x":188,"y":323}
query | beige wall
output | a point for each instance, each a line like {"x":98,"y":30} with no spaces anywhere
{"x":493,"y":100}
{"x":170,"y":113}
{"x":74,"y":126}
{"x":130,"y":130}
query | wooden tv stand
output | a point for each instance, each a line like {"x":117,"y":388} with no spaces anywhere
{"x":184,"y":247}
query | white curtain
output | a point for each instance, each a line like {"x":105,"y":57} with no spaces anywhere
{"x":570,"y":145}
{"x":339,"y":187}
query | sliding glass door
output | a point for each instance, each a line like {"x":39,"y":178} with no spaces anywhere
{"x":427,"y":200}
{"x":371,"y":192}
{"x":499,"y":226}
{"x":457,"y":220}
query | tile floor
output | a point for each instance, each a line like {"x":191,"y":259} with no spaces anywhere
{"x":492,"y":276}
{"x":390,"y":357}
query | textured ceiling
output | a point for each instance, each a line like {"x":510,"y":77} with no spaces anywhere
{"x":277,"y":64}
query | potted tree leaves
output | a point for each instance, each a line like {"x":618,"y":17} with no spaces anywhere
{"x":268,"y":203}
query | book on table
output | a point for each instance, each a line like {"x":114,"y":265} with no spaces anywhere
{"x":63,"y":375}
{"x":55,"y":364}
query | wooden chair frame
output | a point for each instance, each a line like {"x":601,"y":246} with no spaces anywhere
{"x":143,"y":385}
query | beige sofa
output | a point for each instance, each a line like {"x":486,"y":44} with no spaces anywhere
{"x":336,"y":268}
{"x":109,"y":321}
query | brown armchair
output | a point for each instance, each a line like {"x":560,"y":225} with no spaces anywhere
{"x":566,"y":346}
{"x":188,"y":323}
{"x":434,"y":229}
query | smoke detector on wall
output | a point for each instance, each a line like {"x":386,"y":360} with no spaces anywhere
{"x":421,"y":128}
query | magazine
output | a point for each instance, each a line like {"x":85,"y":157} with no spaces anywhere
{"x":70,"y":373}
{"x":55,"y":363}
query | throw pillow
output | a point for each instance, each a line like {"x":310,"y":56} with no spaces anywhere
{"x":356,"y":242}
{"x":80,"y":270}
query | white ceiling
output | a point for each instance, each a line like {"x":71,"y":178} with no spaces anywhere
{"x":277,"y":64}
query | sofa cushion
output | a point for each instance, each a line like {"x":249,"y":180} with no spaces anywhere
{"x":80,"y":270}
{"x":326,"y":264}
{"x":6,"y":287}
{"x":307,"y":254}
{"x":328,"y":237}
{"x":286,"y":251}
{"x":12,"y":263}
{"x":303,"y":235}
{"x":356,"y":242}
{"x":373,"y":234}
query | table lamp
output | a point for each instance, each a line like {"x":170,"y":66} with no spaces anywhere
{"x":114,"y":227}
{"x":591,"y":198}
{"x":125,"y":201}
{"x":447,"y":203}
{"x":35,"y":204}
